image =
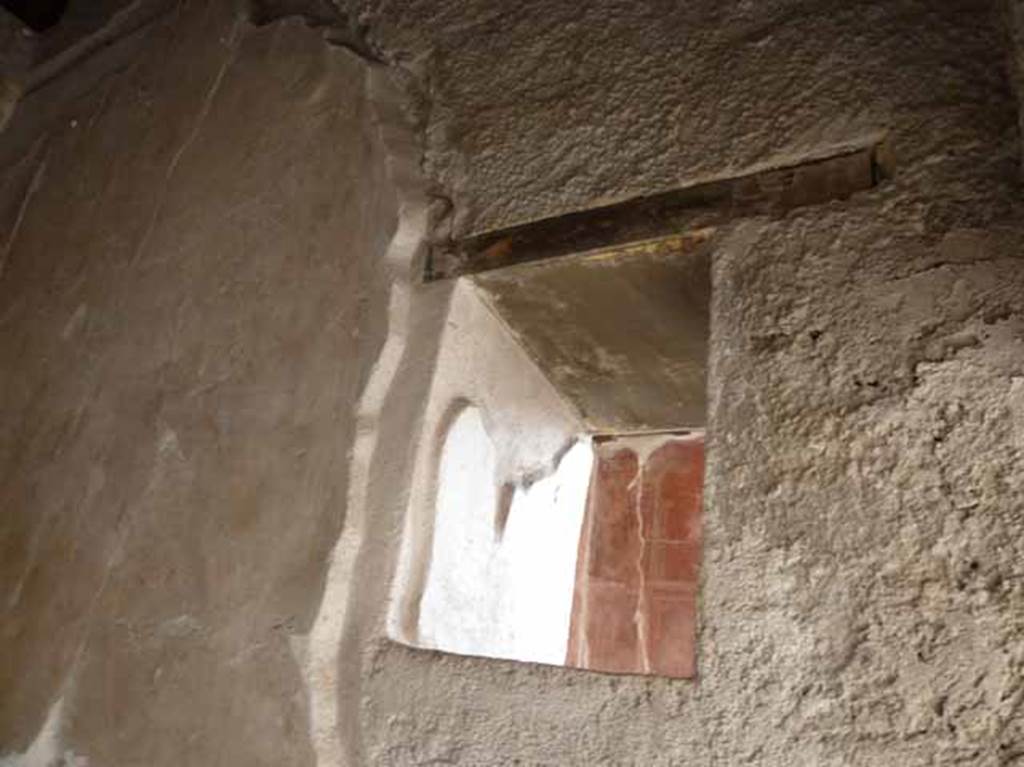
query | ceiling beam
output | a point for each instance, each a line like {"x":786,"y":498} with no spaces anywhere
{"x":710,"y":204}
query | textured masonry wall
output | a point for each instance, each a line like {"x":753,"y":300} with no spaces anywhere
{"x":862,"y":592}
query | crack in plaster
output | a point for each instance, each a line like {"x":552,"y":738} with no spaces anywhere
{"x":232,"y":45}
{"x":33,"y":187}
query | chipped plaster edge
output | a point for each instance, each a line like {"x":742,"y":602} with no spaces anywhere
{"x":334,"y":731}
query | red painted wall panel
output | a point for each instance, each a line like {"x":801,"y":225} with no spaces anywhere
{"x":635,"y":603}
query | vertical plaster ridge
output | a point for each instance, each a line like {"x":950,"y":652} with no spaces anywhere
{"x":45,"y":749}
{"x":335,"y":733}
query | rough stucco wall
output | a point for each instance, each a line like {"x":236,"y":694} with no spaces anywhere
{"x":861,"y":597}
{"x":543,"y":106}
{"x":178,"y":365}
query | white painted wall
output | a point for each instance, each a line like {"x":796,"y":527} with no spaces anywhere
{"x":502,"y":595}
{"x":492,"y":419}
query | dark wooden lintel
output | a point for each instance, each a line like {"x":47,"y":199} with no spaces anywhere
{"x":711,"y":204}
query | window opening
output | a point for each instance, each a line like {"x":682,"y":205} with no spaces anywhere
{"x":555,"y":509}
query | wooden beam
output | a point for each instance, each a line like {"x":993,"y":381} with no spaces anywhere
{"x":711,"y":204}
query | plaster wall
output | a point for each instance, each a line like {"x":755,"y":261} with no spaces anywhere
{"x":187,"y":291}
{"x":222,"y":354}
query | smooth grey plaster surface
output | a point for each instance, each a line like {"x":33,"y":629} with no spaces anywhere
{"x":190,"y":307}
{"x":622,"y":334}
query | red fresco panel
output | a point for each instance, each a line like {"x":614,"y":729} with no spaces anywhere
{"x":635,"y":604}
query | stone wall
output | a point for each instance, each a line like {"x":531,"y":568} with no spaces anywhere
{"x":861,"y":597}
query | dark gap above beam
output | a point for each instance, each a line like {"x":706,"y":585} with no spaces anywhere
{"x":610,"y":436}
{"x":769,"y":192}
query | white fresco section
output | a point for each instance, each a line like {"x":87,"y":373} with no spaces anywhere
{"x":464,"y":607}
{"x":507,"y":596}
{"x":465,"y":583}
{"x":540,"y":544}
